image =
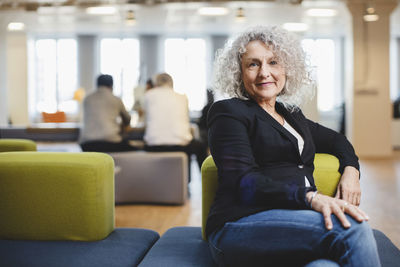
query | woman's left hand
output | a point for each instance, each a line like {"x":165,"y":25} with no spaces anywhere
{"x":349,"y":188}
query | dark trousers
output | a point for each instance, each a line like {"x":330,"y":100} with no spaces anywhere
{"x":194,"y":147}
{"x":106,"y":147}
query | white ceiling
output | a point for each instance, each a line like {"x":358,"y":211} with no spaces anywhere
{"x":182,"y":18}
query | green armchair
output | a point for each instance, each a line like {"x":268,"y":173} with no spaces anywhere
{"x":326,"y":177}
{"x":57,"y":209}
{"x":8,"y":145}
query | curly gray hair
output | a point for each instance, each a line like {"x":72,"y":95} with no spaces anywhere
{"x":285,"y":46}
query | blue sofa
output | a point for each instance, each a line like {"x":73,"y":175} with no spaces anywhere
{"x":186,"y":246}
{"x":53,"y":236}
{"x":122,"y":248}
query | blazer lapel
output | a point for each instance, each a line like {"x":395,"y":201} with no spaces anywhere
{"x":294,"y":122}
{"x":261,"y":113}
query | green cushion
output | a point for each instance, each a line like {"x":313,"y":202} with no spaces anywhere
{"x":326,"y":173}
{"x":56,"y":196}
{"x":209,"y":184}
{"x":7,"y":145}
{"x":326,"y":177}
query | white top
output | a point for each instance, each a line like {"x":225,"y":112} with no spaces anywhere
{"x":167,"y":117}
{"x":300,"y":142}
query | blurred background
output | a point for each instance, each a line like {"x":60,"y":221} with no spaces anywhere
{"x":51,"y":52}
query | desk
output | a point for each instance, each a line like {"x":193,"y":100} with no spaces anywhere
{"x":134,"y":133}
{"x":58,"y":132}
{"x":67,"y":131}
{"x":43,"y":132}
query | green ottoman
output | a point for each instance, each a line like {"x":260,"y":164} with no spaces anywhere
{"x":7,"y":145}
{"x":56,"y":196}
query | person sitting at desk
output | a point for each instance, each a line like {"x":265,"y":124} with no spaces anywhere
{"x":104,"y":116}
{"x":167,"y":124}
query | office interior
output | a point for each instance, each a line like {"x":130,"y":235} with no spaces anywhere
{"x":52,"y":51}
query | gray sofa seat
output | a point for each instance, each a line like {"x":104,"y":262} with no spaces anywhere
{"x":150,"y":177}
{"x":124,"y":247}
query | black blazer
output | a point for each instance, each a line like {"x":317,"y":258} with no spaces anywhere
{"x":258,"y":160}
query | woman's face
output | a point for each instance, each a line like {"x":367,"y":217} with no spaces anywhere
{"x":262,"y":74}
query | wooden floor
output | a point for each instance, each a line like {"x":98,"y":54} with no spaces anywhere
{"x":380,"y":180}
{"x":161,"y":218}
{"x":380,"y":183}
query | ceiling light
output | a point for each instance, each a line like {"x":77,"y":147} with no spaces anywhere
{"x":321,"y":12}
{"x":213,"y":11}
{"x":295,"y":27}
{"x":240,"y":17}
{"x":101,"y":10}
{"x":370,"y":14}
{"x":16,"y":26}
{"x":130,"y":18}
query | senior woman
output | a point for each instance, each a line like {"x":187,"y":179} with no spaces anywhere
{"x":267,"y":210}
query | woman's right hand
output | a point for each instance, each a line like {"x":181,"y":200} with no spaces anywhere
{"x":328,"y":205}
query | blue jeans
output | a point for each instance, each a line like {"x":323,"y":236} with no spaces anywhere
{"x":293,"y":238}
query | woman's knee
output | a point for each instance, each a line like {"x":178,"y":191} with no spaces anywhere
{"x":362,"y":228}
{"x":359,"y":234}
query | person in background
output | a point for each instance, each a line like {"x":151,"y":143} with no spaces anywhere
{"x":139,"y":98}
{"x":167,"y":123}
{"x":149,"y":84}
{"x":104,"y":118}
{"x":267,"y":210}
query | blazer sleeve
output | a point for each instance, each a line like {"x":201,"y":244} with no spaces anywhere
{"x":237,"y":169}
{"x":331,"y":142}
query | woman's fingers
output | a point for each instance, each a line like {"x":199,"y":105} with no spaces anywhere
{"x":349,"y":196}
{"x":357,"y":213}
{"x":339,"y":212}
{"x":326,"y":212}
{"x":358,"y":199}
{"x":328,"y":205}
{"x":346,"y":195}
{"x":353,"y":198}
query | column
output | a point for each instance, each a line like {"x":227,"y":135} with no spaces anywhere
{"x":368,"y":106}
{"x":17,"y":78}
{"x":149,"y":57}
{"x":3,"y":76}
{"x":88,"y":63}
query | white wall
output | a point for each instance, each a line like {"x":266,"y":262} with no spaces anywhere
{"x":3,"y":76}
{"x":17,"y":78}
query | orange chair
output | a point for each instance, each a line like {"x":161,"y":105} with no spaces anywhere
{"x":58,"y":116}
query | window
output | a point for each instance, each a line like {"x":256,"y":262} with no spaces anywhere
{"x":55,"y":75}
{"x":185,"y":61}
{"x":321,"y":53}
{"x":120,"y":58}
